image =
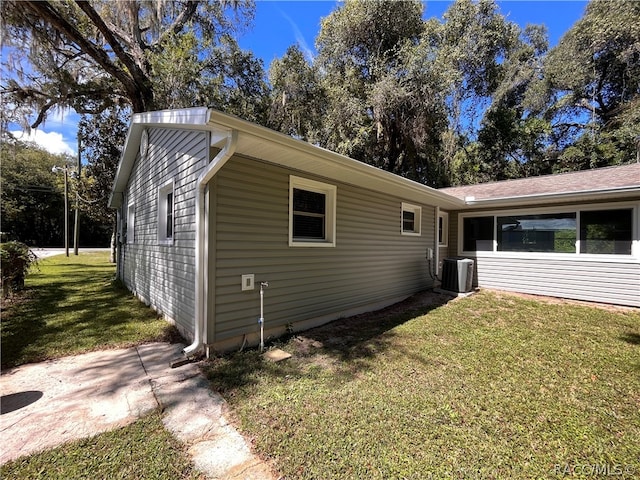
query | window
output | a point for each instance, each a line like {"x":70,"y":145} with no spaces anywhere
{"x":589,"y":232}
{"x":554,"y":232}
{"x":606,"y":231}
{"x":478,"y":234}
{"x":411,"y":216}
{"x":131,"y":221}
{"x":166,"y":213}
{"x":312,"y":213}
{"x":443,"y":229}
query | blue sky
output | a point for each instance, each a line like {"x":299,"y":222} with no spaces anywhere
{"x":279,"y":24}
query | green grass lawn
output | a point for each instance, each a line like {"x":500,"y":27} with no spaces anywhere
{"x":142,"y":450}
{"x":491,"y":386}
{"x":70,"y":305}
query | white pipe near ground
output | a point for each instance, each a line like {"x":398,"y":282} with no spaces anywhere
{"x":263,"y":285}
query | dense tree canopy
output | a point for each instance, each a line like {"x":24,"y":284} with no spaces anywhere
{"x":593,"y":81}
{"x":92,"y":55}
{"x":32,"y":203}
{"x":469,"y":98}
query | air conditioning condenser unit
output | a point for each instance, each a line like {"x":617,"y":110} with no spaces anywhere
{"x":457,"y":275}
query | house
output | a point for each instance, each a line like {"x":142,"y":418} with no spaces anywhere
{"x":573,"y":235}
{"x":211,"y":207}
{"x":236,"y":233}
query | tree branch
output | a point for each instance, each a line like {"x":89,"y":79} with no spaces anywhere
{"x":139,"y":77}
{"x":186,"y":15}
{"x":48,"y":13}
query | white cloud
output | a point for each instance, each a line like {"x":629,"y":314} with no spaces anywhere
{"x":302,"y":42}
{"x":53,"y":142}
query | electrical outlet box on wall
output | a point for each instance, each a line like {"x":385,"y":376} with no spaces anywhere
{"x":248,"y":282}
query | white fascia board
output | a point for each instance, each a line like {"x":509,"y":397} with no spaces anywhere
{"x":186,"y":117}
{"x":627,"y":192}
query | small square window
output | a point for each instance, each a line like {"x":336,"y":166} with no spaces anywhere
{"x":411,"y":216}
{"x":312,"y":213}
{"x":166,"y":213}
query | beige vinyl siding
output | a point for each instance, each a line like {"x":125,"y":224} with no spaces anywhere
{"x":593,"y":280}
{"x":372,"y":261}
{"x":163,"y":275}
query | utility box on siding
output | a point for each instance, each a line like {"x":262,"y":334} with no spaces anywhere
{"x":457,"y":275}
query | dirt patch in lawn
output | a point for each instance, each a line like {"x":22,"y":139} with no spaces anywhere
{"x":349,"y":336}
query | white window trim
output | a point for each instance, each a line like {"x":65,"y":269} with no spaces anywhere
{"x":131,"y":222}
{"x":611,"y":258}
{"x":417,"y":212}
{"x":445,"y":229}
{"x":163,"y":191}
{"x":330,"y":192}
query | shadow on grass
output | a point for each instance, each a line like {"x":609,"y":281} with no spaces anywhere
{"x":71,"y":309}
{"x":632,"y":338}
{"x":348,"y":345}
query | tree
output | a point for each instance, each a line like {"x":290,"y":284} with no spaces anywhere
{"x":101,"y":138}
{"x":382,"y":105}
{"x":90,"y":56}
{"x":298,"y":99}
{"x":592,"y":80}
{"x":32,"y":207}
{"x":513,"y":135}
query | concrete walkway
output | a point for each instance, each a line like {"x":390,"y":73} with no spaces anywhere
{"x":49,"y":403}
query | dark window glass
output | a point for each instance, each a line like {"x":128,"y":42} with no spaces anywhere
{"x":478,"y":234}
{"x":169,"y":215}
{"x":440,"y":221}
{"x":606,"y":231}
{"x":408,"y":221}
{"x":555,"y":232}
{"x":309,"y":214}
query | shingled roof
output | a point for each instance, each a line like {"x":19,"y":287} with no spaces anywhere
{"x":624,"y":178}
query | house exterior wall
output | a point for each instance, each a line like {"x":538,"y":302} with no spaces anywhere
{"x":162,"y":273}
{"x":613,"y":279}
{"x":372,"y":263}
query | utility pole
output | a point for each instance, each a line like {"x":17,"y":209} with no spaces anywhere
{"x":66,"y":206}
{"x":76,"y":226}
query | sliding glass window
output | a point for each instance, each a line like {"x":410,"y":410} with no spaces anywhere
{"x":554,"y":232}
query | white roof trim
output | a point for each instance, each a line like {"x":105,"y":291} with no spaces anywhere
{"x":619,"y":192}
{"x":312,"y":159}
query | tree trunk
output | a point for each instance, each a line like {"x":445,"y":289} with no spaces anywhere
{"x":112,"y":255}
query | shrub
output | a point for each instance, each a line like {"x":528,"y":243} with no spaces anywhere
{"x":15,"y":261}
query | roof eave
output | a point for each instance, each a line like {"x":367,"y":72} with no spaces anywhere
{"x":212,"y":120}
{"x":626,"y":192}
{"x":341,"y":163}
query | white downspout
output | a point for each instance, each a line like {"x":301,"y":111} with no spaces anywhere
{"x":201,"y":296}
